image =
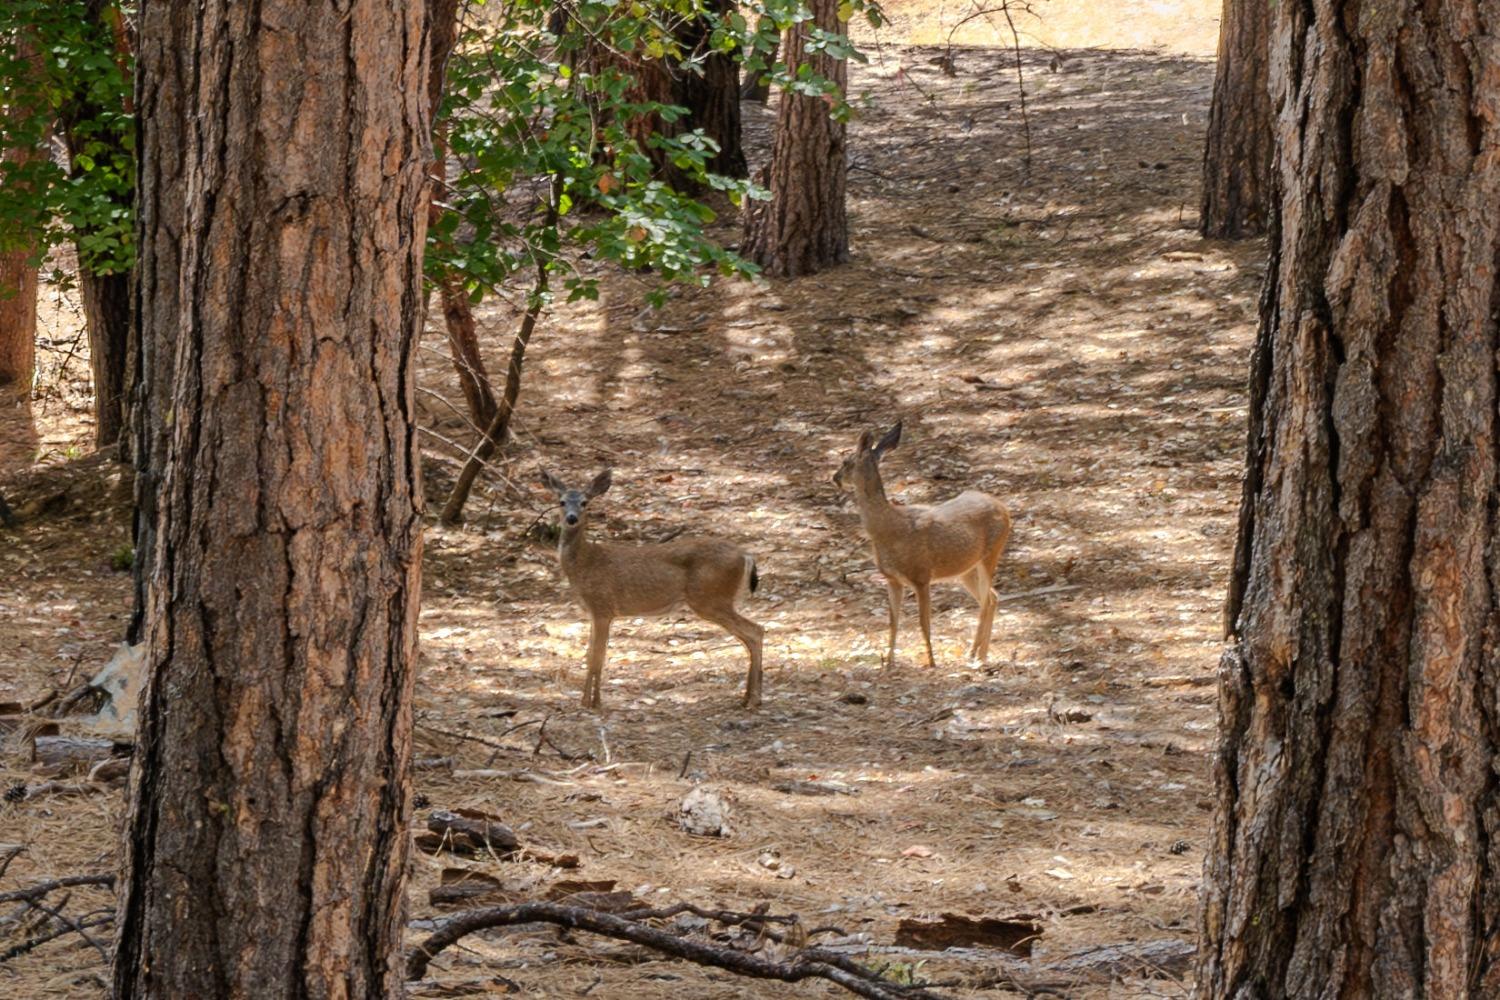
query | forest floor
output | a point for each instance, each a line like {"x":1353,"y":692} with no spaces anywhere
{"x":1059,"y":337}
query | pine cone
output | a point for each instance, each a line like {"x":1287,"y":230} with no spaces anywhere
{"x":16,"y":792}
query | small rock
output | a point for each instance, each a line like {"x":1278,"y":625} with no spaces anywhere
{"x":704,"y":812}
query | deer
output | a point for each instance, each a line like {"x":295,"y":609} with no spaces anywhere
{"x":611,"y":580}
{"x":960,"y":539}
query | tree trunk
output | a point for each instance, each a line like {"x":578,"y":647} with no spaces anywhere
{"x":18,"y":278}
{"x":266,"y":842}
{"x":804,"y":228}
{"x":713,"y":99}
{"x":106,"y":311}
{"x":106,"y":296}
{"x":1237,"y":174}
{"x":1356,"y":846}
{"x":164,"y":86}
{"x":18,"y":291}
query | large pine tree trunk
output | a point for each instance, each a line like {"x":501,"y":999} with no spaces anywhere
{"x":163,"y":86}
{"x":266,"y":842}
{"x":1354,"y":851}
{"x":804,"y":227}
{"x":1237,"y":175}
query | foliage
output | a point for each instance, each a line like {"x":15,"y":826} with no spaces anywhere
{"x":543,"y":112}
{"x":59,"y":62}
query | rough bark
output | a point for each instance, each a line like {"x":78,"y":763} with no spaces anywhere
{"x":1355,"y":850}
{"x":266,"y":843}
{"x":804,"y":227}
{"x":1237,"y":174}
{"x":106,"y":311}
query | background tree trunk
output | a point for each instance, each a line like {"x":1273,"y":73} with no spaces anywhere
{"x":18,"y":278}
{"x":106,"y":310}
{"x":713,"y":99}
{"x":18,"y":291}
{"x":105,"y":296}
{"x":266,"y":842}
{"x":1353,"y":852}
{"x":804,"y":227}
{"x":1237,"y":175}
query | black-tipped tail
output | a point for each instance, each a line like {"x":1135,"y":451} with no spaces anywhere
{"x":754,"y":576}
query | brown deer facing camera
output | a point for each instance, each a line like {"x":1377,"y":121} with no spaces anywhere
{"x":613,"y":581}
{"x":961,"y":539}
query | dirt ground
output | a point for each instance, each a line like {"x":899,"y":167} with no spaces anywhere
{"x":1056,"y":336}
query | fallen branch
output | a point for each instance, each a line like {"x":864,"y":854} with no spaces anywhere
{"x":807,"y":963}
{"x":32,"y":893}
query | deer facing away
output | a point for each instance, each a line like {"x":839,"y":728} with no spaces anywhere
{"x":612,"y":581}
{"x":960,"y":539}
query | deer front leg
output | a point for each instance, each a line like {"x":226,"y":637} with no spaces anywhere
{"x":894,"y":591}
{"x":924,"y":613}
{"x":592,"y":681}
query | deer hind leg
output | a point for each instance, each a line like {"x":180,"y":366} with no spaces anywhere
{"x":924,"y":612}
{"x":593,"y":680}
{"x":976,"y":584}
{"x":748,"y":633}
{"x":894,"y":592}
{"x":987,"y":617}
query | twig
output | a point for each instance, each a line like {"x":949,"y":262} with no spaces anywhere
{"x":74,"y":926}
{"x":808,"y":963}
{"x":33,"y":943}
{"x":1054,"y":589}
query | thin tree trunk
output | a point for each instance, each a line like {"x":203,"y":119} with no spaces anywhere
{"x":458,"y":314}
{"x":498,"y":427}
{"x":804,"y":227}
{"x":1237,"y":176}
{"x":1354,"y":849}
{"x":265,"y":847}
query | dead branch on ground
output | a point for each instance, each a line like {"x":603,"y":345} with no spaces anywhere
{"x":802,"y":964}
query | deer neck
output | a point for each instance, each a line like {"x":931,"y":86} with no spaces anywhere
{"x":874,"y":509}
{"x":572,"y":544}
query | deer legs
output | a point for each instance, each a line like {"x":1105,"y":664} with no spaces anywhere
{"x":598,"y":643}
{"x":895,"y":590}
{"x":747,"y":632}
{"x":977,"y":584}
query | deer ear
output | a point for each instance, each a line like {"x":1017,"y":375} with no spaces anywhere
{"x":864,"y":440}
{"x":891,"y":439}
{"x":552,"y":482}
{"x":601,"y":483}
